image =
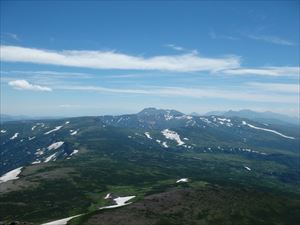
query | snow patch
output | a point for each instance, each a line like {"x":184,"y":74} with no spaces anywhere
{"x":31,"y":138}
{"x":14,"y":136}
{"x":55,"y":129}
{"x":184,"y":117}
{"x":247,"y":168}
{"x":74,"y":152}
{"x":39,"y":152}
{"x":11,"y":175}
{"x":3,"y":131}
{"x":107,"y":196}
{"x":61,"y":221}
{"x":74,"y":132}
{"x":269,"y":130}
{"x":50,"y":158}
{"x":168,"y":116}
{"x":120,"y":201}
{"x":55,"y":145}
{"x":205,"y":120}
{"x":182,"y":180}
{"x":36,"y":162}
{"x":172,"y":135}
{"x":147,"y":134}
{"x":164,"y":144}
{"x":224,"y":120}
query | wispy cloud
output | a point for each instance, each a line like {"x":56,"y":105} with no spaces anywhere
{"x":186,"y":62}
{"x":271,"y":39}
{"x":175,"y":47}
{"x":214,"y":35}
{"x":181,"y":49}
{"x":12,"y":36}
{"x":25,"y":85}
{"x":189,"y":62}
{"x":246,"y":94}
{"x":265,"y":71}
{"x":276,"y":87}
{"x":56,"y":74}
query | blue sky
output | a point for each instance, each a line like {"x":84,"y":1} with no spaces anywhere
{"x":88,"y":58}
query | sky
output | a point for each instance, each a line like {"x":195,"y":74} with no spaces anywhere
{"x":74,"y":58}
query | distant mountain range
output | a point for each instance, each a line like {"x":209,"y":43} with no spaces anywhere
{"x":6,"y":117}
{"x":262,"y":117}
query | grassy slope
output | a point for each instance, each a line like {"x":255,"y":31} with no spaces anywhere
{"x":124,"y":166}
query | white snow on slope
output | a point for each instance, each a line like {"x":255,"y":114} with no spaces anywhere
{"x":107,"y":196}
{"x":224,"y":120}
{"x":74,"y":132}
{"x":164,"y":144}
{"x":3,"y":131}
{"x":32,"y":128}
{"x":55,"y":145}
{"x":39,"y":152}
{"x":182,"y":180}
{"x":14,"y":136}
{"x":168,"y":116}
{"x":61,"y":221}
{"x":50,"y":157}
{"x":172,"y":135}
{"x":147,"y":134}
{"x":205,"y":120}
{"x":269,"y":130}
{"x":31,"y":138}
{"x":120,"y":201}
{"x":184,"y":117}
{"x":36,"y":162}
{"x":67,"y":122}
{"x":247,"y":168}
{"x":74,"y":152}
{"x":55,"y":129}
{"x":11,"y":175}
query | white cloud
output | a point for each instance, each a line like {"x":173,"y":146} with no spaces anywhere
{"x":277,"y":87}
{"x":271,"y":39}
{"x":12,"y":36}
{"x":245,"y":94}
{"x":182,"y":49}
{"x":188,"y":62}
{"x":175,"y":47}
{"x":25,"y":85}
{"x":265,"y":71}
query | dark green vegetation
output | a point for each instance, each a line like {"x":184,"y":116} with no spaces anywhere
{"x":210,"y":204}
{"x":115,"y":156}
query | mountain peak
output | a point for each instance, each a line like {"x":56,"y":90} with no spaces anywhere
{"x":151,"y":111}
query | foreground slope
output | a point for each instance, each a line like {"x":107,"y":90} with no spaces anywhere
{"x":140,"y":154}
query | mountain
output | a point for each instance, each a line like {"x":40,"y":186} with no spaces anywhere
{"x":163,"y":161}
{"x":6,"y":117}
{"x":155,"y":112}
{"x":263,"y":117}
